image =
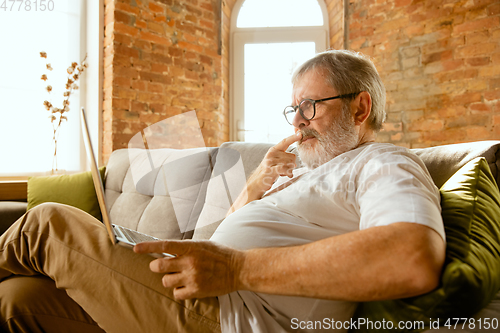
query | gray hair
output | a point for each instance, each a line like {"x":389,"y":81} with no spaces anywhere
{"x":350,"y":72}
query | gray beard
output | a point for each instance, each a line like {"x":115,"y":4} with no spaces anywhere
{"x":340,"y":138}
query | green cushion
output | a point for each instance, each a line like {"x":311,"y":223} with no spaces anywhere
{"x":470,"y":203}
{"x":75,"y":190}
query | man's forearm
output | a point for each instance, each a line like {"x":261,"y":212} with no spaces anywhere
{"x":254,"y":189}
{"x":395,"y":261}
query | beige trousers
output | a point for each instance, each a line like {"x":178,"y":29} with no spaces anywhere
{"x":59,"y":272}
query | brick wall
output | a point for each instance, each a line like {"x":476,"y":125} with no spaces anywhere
{"x":440,"y":61}
{"x":161,"y":58}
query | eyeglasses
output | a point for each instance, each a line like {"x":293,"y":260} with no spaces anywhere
{"x":307,"y":107}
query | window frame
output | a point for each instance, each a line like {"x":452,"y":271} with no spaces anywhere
{"x":241,"y":36}
{"x":94,"y":41}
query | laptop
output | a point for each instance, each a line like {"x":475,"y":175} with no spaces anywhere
{"x":117,"y":234}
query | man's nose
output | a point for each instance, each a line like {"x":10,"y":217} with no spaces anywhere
{"x":299,"y":121}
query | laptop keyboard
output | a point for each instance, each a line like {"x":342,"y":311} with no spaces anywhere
{"x":136,"y":237}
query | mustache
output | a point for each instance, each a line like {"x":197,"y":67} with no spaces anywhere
{"x":309,"y":133}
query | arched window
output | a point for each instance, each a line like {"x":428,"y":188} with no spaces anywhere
{"x":269,"y":39}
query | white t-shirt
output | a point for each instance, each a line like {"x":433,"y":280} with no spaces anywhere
{"x":373,"y":185}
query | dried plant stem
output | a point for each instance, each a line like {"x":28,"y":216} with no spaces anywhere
{"x":56,"y":135}
{"x":74,"y":73}
{"x":54,"y":159}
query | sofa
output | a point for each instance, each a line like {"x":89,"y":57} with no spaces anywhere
{"x":185,"y":194}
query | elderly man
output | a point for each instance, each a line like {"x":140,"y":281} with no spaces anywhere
{"x":361,"y":222}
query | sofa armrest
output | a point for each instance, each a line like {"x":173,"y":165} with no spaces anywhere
{"x":443,"y":161}
{"x":10,"y":211}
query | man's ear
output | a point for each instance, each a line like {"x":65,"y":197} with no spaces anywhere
{"x":362,"y":105}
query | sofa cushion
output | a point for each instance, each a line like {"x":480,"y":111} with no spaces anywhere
{"x":471,"y":276}
{"x":159,"y":192}
{"x":75,"y":190}
{"x":227,"y":181}
{"x":251,"y":154}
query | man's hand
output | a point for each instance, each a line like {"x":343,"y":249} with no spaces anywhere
{"x":200,"y":268}
{"x":277,"y":162}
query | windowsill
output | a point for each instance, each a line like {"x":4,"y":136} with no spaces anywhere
{"x":14,"y":189}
